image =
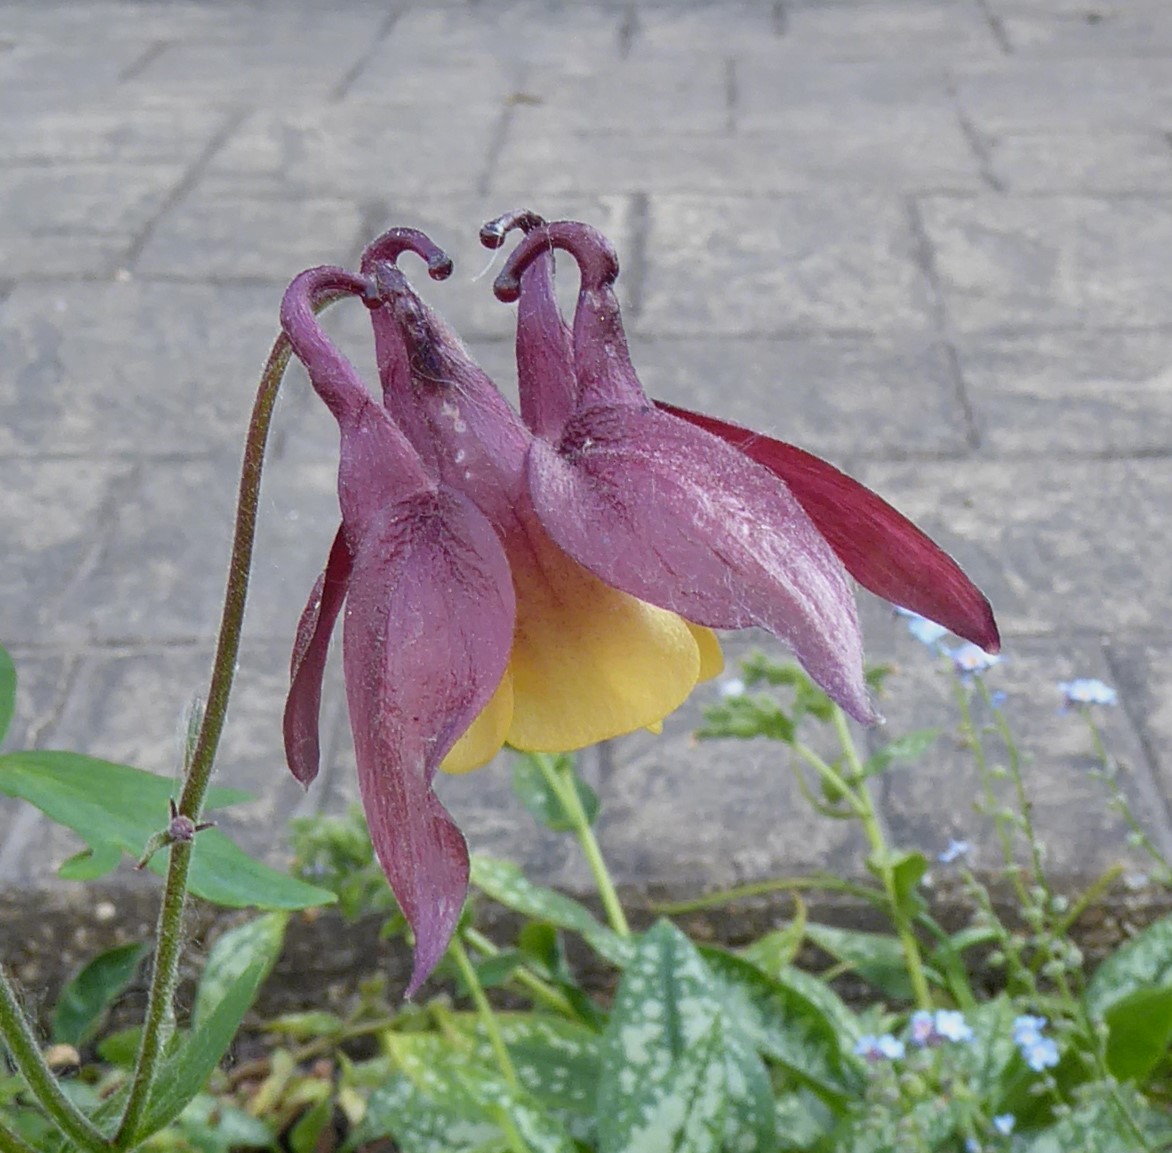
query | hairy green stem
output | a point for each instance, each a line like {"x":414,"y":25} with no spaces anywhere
{"x":160,"y":997}
{"x":483,"y":1010}
{"x":864,"y":805}
{"x":44,"y":1086}
{"x":562,"y":783}
{"x":538,"y":989}
{"x":12,"y":1143}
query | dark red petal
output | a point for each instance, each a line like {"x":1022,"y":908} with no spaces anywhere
{"x":880,"y":547}
{"x":428,"y":630}
{"x":677,"y":518}
{"x":303,"y":706}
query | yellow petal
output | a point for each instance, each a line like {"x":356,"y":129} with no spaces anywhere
{"x":711,"y":658}
{"x":590,"y":662}
{"x":486,"y":734}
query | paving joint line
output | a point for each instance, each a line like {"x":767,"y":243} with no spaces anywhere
{"x":137,"y":67}
{"x":186,"y":183}
{"x":627,"y":32}
{"x":997,"y":27}
{"x":496,"y":143}
{"x":1143,"y":776}
{"x":342,"y":89}
{"x":731,"y":95}
{"x":634,"y":260}
{"x":779,"y":18}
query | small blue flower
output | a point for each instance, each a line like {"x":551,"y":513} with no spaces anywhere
{"x":883,"y":1048}
{"x":952,"y":1026}
{"x":970,"y":661}
{"x":1004,"y":1124}
{"x":922,"y":1026}
{"x":1027,"y":1029}
{"x":1041,"y":1054}
{"x":925,"y":631}
{"x":1086,"y":691}
{"x":955,"y":850}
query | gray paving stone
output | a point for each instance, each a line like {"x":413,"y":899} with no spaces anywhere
{"x":131,"y":368}
{"x":933,"y":799}
{"x":1114,"y":162}
{"x":63,"y":255}
{"x":1052,"y":261}
{"x":1104,"y":393}
{"x":1133,"y":28}
{"x":728,"y":29}
{"x":114,"y":131}
{"x":360,"y":148}
{"x":107,"y":199}
{"x":677,"y":96}
{"x":225,"y":237}
{"x":902,"y":151}
{"x":1143,"y":674}
{"x":1056,"y":551}
{"x":910,"y":29}
{"x":37,"y":76}
{"x":1123,"y":95}
{"x":844,"y":397}
{"x":818,"y":94}
{"x":52,"y":517}
{"x":841,"y":262}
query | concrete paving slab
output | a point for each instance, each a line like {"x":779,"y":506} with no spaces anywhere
{"x":1065,"y":29}
{"x":177,"y":366}
{"x":844,"y":262}
{"x":1097,"y":394}
{"x":1051,"y":261}
{"x":1142,"y":668}
{"x":1055,"y":550}
{"x":1124,"y":163}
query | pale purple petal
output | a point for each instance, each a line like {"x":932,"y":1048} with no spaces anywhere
{"x":678,"y":518}
{"x":428,"y":630}
{"x":303,"y":706}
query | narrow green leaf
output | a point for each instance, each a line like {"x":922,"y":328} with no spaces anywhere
{"x":746,"y":718}
{"x":231,"y":992}
{"x":504,"y":882}
{"x":910,"y":747}
{"x":534,"y":792}
{"x":91,"y":863}
{"x":85,"y":1000}
{"x":907,"y":870}
{"x":876,"y":957}
{"x":781,"y":1023}
{"x":773,"y":952}
{"x":662,"y":1082}
{"x":115,"y":806}
{"x":7,"y":691}
{"x":304,"y":1136}
{"x":255,"y":942}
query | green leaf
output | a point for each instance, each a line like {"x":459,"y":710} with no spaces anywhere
{"x":256,"y":941}
{"x":779,"y":1022}
{"x":1145,"y":962}
{"x":876,"y":957}
{"x":115,"y":809}
{"x":750,"y":1122}
{"x":745,"y":718}
{"x":307,"y":1026}
{"x":304,"y":1136}
{"x":121,"y":1048}
{"x":90,"y":864}
{"x":230,"y":991}
{"x":907,"y":870}
{"x":215,"y":1126}
{"x":504,"y":882}
{"x":1139,"y":1032}
{"x":418,"y":1124}
{"x":7,"y":691}
{"x":906,"y":748}
{"x":662,"y":1085}
{"x":84,"y":1001}
{"x":453,"y":1079}
{"x":534,"y":791}
{"x":773,"y":952}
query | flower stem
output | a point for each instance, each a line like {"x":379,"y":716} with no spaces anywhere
{"x":561,"y":780}
{"x":484,"y":1010}
{"x":26,"y":1055}
{"x":538,"y":989}
{"x":864,"y":805}
{"x":12,"y":1143}
{"x":169,"y":934}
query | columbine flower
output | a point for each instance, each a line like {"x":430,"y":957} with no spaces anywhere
{"x":882,"y":1048}
{"x":725,"y":526}
{"x":971,"y":661}
{"x":955,"y":850}
{"x":1004,"y":1124}
{"x":1086,"y":691}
